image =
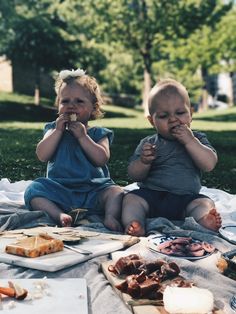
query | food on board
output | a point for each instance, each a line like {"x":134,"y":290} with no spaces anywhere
{"x":147,"y":279}
{"x":35,"y":246}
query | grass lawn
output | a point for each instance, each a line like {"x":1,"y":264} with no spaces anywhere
{"x":21,"y":125}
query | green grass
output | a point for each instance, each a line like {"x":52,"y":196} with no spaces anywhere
{"x":21,"y":125}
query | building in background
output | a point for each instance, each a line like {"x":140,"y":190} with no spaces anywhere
{"x":6,"y":81}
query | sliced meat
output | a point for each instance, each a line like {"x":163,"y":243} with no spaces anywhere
{"x":196,"y":246}
{"x":126,"y":265}
{"x":197,"y":253}
{"x":147,"y":286}
{"x":164,"y":245}
{"x":182,"y":240}
{"x":209,"y":248}
{"x":166,"y":250}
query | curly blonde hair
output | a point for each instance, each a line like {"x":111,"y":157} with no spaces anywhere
{"x":166,"y":88}
{"x":91,"y":85}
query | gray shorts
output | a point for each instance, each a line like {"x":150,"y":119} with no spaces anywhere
{"x":165,"y":204}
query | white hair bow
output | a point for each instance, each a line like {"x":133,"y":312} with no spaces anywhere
{"x":64,"y":74}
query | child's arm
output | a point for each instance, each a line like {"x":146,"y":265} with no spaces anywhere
{"x":139,"y":168}
{"x":47,"y":146}
{"x":204,"y":157}
{"x":98,"y":153}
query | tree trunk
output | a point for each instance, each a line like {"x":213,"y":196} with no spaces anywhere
{"x":146,"y":90}
{"x":204,"y":99}
{"x":37,"y":87}
{"x":231,"y":96}
{"x":36,"y":96}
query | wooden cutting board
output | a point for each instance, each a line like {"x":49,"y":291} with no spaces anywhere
{"x":139,"y":306}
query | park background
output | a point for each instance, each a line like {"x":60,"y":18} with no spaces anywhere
{"x":127,"y":46}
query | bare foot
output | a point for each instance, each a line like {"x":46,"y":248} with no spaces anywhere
{"x":212,"y":220}
{"x":65,"y":220}
{"x":112,"y":223}
{"x":135,"y":229}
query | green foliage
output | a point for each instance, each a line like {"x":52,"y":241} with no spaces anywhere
{"x":34,"y":46}
{"x":225,"y":39}
{"x":36,"y":36}
{"x":116,"y":41}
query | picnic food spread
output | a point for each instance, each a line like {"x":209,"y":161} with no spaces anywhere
{"x":35,"y":246}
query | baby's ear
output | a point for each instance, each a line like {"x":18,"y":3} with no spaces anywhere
{"x":150,"y":119}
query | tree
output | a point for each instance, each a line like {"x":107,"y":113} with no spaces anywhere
{"x":141,"y":25}
{"x":7,"y":16}
{"x":36,"y":38}
{"x":207,"y":51}
{"x":225,"y":40}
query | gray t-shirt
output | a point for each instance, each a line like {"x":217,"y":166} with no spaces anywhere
{"x":173,"y":169}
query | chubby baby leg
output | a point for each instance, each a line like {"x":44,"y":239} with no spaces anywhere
{"x":111,"y":200}
{"x":134,"y":211}
{"x":204,"y":212}
{"x":43,"y":204}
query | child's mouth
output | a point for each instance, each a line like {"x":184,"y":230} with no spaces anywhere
{"x":173,"y":128}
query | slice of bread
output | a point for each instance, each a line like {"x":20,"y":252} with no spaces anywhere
{"x":73,"y":117}
{"x":35,"y":246}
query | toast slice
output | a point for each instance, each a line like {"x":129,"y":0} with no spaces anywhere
{"x":35,"y":246}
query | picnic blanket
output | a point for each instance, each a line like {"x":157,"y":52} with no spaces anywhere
{"x":13,"y":215}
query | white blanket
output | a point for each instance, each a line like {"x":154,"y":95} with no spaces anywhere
{"x":12,"y":197}
{"x":100,"y":292}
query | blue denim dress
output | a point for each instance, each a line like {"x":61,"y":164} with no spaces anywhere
{"x":72,"y":180}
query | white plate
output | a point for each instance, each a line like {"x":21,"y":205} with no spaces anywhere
{"x":154,"y":241}
{"x":60,"y":296}
{"x":228,"y":232}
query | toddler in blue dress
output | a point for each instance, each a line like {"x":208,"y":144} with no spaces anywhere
{"x":77,"y":156}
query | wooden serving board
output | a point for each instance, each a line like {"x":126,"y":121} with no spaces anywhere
{"x":137,"y":306}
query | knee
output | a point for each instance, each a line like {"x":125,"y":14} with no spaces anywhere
{"x":113,"y":192}
{"x":207,"y":202}
{"x":31,"y":192}
{"x":128,"y":198}
{"x":202,"y":202}
{"x":116,"y":191}
{"x":134,"y":200}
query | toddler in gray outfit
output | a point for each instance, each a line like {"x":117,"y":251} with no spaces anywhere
{"x":168,"y":165}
